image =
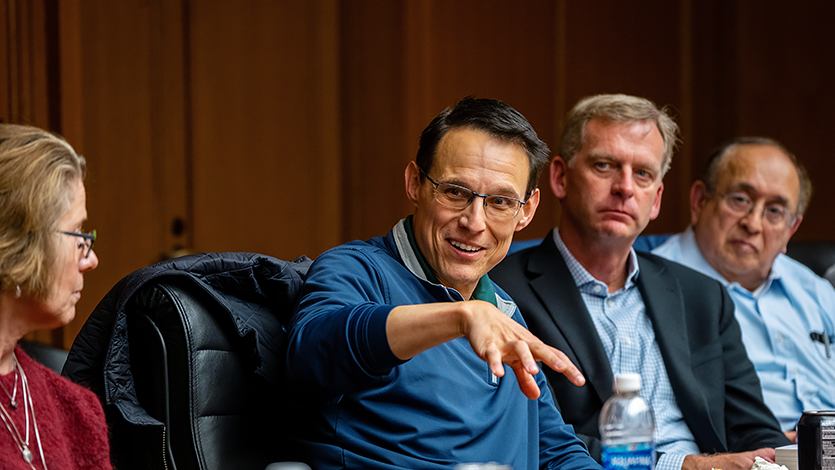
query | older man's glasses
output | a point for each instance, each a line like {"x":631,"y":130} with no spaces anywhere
{"x":85,"y":244}
{"x":459,"y":197}
{"x":741,"y":204}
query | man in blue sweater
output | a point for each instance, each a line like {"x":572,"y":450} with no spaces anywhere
{"x":400,"y":345}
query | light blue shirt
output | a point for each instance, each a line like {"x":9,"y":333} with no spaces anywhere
{"x":776,"y":321}
{"x":629,"y":340}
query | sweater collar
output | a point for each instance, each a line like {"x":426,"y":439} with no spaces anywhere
{"x":404,"y":236}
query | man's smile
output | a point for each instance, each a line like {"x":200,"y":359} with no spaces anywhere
{"x":464,"y":247}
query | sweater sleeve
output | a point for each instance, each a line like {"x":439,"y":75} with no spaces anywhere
{"x":338,"y":341}
{"x":93,"y":451}
{"x":559,"y":447}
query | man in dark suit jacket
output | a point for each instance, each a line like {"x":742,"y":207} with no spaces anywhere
{"x":611,"y":310}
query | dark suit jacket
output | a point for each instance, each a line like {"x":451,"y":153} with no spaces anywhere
{"x":692,"y":315}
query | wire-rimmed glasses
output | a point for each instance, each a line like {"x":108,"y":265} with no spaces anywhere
{"x":459,"y":197}
{"x":86,"y":242}
{"x":742,"y":204}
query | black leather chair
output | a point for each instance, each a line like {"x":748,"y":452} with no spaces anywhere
{"x":189,"y":395}
{"x":50,"y":356}
{"x":192,"y":374}
{"x":817,"y":255}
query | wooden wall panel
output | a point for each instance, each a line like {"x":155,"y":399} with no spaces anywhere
{"x":375,"y":140}
{"x":7,"y":28}
{"x":785,"y":91}
{"x":715,"y":67}
{"x":493,"y":49}
{"x":27,"y":52}
{"x":117,"y":117}
{"x":614,"y":47}
{"x":170,"y":141}
{"x":404,"y":62}
{"x":27,"y":56}
{"x":264,"y":110}
{"x":761,"y":69}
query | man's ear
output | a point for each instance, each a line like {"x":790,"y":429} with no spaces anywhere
{"x":528,"y":210}
{"x":698,"y":198}
{"x":412,"y":177}
{"x":557,"y":176}
{"x":795,"y":225}
{"x":792,"y":229}
{"x":656,"y":204}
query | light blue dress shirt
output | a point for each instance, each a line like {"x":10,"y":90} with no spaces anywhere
{"x":629,"y":340}
{"x":776,"y":321}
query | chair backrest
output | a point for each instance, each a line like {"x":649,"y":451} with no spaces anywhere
{"x":194,"y":373}
{"x":819,"y":256}
{"x":50,"y":356}
{"x":187,"y":357}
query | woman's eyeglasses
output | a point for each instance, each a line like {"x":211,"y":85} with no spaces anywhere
{"x":86,"y":242}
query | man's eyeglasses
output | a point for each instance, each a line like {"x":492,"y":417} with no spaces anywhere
{"x":459,"y":197}
{"x":86,"y":242}
{"x":742,"y":205}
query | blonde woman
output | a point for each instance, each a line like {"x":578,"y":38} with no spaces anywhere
{"x":46,"y":421}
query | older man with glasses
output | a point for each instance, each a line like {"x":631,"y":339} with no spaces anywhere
{"x":401,"y":346}
{"x":743,"y":211}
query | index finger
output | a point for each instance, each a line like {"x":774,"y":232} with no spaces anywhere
{"x":558,"y":361}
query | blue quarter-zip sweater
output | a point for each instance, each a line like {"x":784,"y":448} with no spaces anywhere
{"x":363,"y":408}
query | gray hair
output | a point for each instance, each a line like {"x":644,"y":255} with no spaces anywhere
{"x":710,"y":177}
{"x":616,"y":108}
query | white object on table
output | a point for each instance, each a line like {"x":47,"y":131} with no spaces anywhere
{"x":482,"y":466}
{"x":787,"y":456}
{"x":287,"y":466}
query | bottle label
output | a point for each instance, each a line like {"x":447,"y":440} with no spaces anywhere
{"x":635,"y":456}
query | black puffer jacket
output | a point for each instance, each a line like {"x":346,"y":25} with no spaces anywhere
{"x":257,"y":291}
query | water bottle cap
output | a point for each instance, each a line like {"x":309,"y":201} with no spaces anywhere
{"x":627,"y":382}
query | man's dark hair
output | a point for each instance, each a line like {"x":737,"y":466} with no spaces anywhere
{"x":710,"y":177}
{"x":498,"y":120}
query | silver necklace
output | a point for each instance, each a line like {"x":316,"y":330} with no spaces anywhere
{"x":13,"y":404}
{"x":28,"y":409}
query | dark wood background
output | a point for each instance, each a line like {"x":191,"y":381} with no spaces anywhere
{"x":283,"y":127}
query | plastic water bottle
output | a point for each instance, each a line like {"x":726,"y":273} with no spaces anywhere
{"x":626,"y":427}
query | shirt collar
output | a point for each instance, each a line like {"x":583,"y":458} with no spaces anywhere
{"x":424,"y":266}
{"x":404,"y":236}
{"x":690,"y":250}
{"x":582,"y":277}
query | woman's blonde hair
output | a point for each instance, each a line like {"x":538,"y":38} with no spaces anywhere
{"x":37,"y":171}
